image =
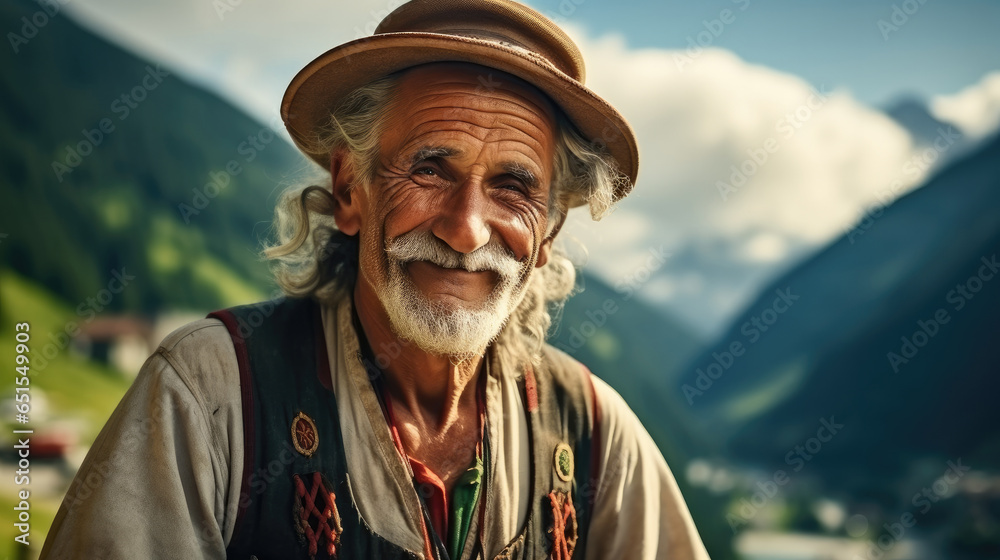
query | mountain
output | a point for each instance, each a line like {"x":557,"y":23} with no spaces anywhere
{"x":111,"y":164}
{"x":891,"y":331}
{"x":912,"y":114}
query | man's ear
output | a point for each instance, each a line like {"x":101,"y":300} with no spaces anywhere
{"x":545,"y":250}
{"x":347,"y":206}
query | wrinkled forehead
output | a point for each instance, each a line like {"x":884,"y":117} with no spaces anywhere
{"x":466,"y":79}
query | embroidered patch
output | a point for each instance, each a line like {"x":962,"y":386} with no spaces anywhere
{"x":563,"y":532}
{"x":315,"y":515}
{"x":304,"y":435}
{"x":562,"y":462}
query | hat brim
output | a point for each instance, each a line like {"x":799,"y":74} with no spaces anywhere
{"x":318,"y":88}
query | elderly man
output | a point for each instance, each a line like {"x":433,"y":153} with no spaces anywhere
{"x":401,"y":403}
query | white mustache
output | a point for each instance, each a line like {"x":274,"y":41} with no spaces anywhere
{"x":424,"y":246}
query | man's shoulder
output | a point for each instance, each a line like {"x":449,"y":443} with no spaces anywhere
{"x":202,"y":355}
{"x":616,"y":415}
{"x":215,"y":333}
{"x":562,"y":365}
{"x":570,"y":373}
{"x":203,"y":333}
{"x":565,"y":379}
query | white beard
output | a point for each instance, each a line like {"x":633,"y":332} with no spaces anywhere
{"x":454,"y":330}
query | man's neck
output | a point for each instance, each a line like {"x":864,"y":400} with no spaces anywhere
{"x":429,"y":388}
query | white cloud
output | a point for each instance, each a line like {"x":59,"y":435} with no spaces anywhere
{"x":975,"y":109}
{"x":695,"y":124}
{"x":742,"y":167}
{"x":766,"y":247}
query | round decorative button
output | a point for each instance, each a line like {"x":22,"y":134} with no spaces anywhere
{"x":563,"y":462}
{"x":304,"y":436}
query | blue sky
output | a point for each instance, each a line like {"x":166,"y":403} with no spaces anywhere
{"x":941,"y":48}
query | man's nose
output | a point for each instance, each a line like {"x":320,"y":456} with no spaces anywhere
{"x":462,"y":222}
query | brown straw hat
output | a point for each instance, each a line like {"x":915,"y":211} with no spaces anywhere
{"x":499,"y":34}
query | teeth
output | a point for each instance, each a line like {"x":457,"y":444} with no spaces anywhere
{"x":457,"y":266}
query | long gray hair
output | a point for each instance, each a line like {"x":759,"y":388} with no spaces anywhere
{"x":311,"y":258}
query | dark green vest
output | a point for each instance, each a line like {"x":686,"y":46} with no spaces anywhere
{"x":295,"y":500}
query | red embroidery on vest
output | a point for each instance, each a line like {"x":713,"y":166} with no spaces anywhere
{"x":530,"y":389}
{"x":564,"y":529}
{"x":316,"y":517}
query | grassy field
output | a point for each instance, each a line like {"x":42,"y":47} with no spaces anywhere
{"x":80,"y":394}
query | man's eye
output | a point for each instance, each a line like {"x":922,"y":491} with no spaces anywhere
{"x":425,"y":171}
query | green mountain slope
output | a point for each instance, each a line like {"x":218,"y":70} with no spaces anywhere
{"x":99,"y":150}
{"x":893,"y":335}
{"x":74,"y":387}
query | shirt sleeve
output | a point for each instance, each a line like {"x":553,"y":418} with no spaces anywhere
{"x":159,"y":480}
{"x":639,"y":512}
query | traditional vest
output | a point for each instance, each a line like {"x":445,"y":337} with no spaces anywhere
{"x":296,"y":496}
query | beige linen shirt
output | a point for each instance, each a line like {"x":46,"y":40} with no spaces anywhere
{"x":163,"y":478}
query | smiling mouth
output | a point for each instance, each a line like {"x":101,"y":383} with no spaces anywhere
{"x":457,"y":275}
{"x":446,"y":267}
{"x":456,"y":269}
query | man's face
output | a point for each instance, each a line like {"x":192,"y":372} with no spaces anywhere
{"x":456,"y":219}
